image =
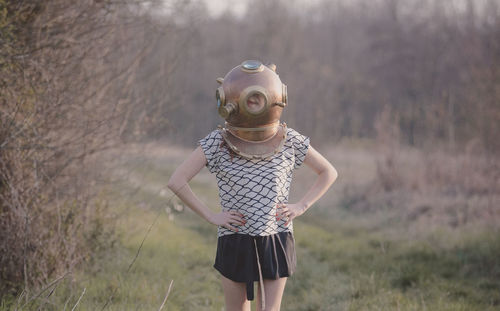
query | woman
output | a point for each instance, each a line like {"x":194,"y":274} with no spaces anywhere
{"x":253,"y":158}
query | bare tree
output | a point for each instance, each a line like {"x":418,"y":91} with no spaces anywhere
{"x":71,"y":88}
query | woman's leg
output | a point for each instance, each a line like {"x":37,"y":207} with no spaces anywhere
{"x":273,"y":289}
{"x":235,"y":294}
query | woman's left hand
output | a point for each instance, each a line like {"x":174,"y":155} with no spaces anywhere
{"x":289,"y":211}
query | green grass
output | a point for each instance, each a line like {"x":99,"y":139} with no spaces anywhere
{"x":368,"y":272}
{"x":343,"y":263}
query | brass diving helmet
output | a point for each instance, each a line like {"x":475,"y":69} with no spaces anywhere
{"x":251,"y":98}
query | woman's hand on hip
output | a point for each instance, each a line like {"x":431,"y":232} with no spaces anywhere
{"x":289,"y":211}
{"x":228,"y":219}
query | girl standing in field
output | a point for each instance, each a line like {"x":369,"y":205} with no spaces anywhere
{"x":253,"y":158}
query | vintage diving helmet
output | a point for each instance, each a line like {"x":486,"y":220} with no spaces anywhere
{"x":251,"y":98}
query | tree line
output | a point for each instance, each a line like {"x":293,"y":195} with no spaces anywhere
{"x":433,"y":65}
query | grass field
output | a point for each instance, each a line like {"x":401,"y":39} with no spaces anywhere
{"x":346,"y":260}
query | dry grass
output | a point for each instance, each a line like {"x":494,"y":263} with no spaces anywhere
{"x":420,"y":188}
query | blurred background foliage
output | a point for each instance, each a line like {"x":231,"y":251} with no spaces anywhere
{"x":433,"y":65}
{"x":99,"y":98}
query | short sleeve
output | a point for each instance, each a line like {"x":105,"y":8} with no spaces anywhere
{"x":300,"y":145}
{"x":211,"y":146}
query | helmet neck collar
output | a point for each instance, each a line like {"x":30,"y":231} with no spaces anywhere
{"x":254,"y":134}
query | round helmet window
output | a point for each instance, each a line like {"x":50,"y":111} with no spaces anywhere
{"x":255,"y":103}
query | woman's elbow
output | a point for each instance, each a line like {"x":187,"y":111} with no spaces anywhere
{"x":171,"y":184}
{"x":174,"y":183}
{"x":331,"y":173}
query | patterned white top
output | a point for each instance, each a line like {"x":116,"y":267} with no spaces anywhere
{"x":254,"y":187}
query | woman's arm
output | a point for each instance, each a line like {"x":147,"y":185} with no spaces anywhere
{"x":178,"y":183}
{"x":326,"y":176}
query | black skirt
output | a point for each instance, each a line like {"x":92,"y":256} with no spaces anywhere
{"x":237,"y":255}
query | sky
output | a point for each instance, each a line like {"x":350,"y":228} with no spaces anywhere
{"x":216,"y":7}
{"x":238,"y":7}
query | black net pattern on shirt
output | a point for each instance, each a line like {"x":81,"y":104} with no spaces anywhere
{"x":255,"y":187}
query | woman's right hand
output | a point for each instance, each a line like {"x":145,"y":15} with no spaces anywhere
{"x":228,"y":219}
